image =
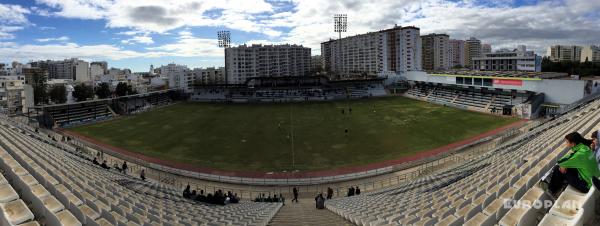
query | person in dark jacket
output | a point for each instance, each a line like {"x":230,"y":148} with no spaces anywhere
{"x":295,"y":191}
{"x":124,"y":167}
{"x":357,"y":191}
{"x":329,"y":193}
{"x":186,"y":192}
{"x":320,"y":201}
{"x":143,"y":175}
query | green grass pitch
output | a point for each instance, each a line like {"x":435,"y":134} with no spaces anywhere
{"x":257,"y":137}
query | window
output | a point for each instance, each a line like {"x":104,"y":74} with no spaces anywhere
{"x":459,"y":80}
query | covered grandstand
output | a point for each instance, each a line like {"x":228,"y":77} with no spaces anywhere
{"x":290,"y":89}
{"x":84,"y":112}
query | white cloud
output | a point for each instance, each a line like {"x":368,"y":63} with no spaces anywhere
{"x":12,"y":18}
{"x":59,"y":39}
{"x":189,"y":46}
{"x":139,"y":39}
{"x":162,"y":16}
{"x":11,"y":51}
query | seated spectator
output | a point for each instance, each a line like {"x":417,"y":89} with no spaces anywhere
{"x":235,"y":198}
{"x":193,"y":194}
{"x":357,"y":191}
{"x":104,"y":165}
{"x":95,"y":161}
{"x":186,"y":191}
{"x":576,"y":168}
{"x":201,"y":197}
{"x":350,"y":191}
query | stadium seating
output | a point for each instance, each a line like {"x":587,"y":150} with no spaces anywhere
{"x":475,"y":193}
{"x":69,"y":115}
{"x":43,"y":183}
{"x":465,"y":99}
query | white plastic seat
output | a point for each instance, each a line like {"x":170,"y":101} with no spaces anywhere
{"x":572,"y":201}
{"x":7,"y":193}
{"x":551,"y":219}
{"x":16,"y":212}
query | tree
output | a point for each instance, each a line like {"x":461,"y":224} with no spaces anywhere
{"x":39,"y":85}
{"x":58,"y":94}
{"x":82,"y":92}
{"x":123,"y":89}
{"x":103,"y":91}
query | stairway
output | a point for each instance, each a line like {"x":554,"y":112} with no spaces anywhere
{"x":305,"y":213}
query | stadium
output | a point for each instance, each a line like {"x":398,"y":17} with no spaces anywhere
{"x":418,"y":160}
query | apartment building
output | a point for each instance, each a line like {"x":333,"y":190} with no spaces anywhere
{"x":590,"y":53}
{"x":456,"y":53}
{"x":435,"y":50}
{"x":560,"y":53}
{"x":472,"y":49}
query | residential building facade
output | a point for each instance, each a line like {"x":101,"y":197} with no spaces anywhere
{"x":590,"y":53}
{"x":472,"y":50}
{"x":559,"y":53}
{"x":392,"y":50}
{"x":255,"y":61}
{"x":435,"y":50}
{"x":456,"y":53}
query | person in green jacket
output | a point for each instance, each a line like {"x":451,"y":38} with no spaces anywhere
{"x":576,"y":168}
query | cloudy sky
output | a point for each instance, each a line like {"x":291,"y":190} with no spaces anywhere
{"x":137,"y":33}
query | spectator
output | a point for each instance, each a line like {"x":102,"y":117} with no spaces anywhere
{"x":104,"y":165}
{"x":281,"y":199}
{"x":193,"y":194}
{"x":95,"y":161}
{"x":186,"y":192}
{"x":350,"y":191}
{"x":329,"y":193}
{"x":320,"y":201}
{"x":201,"y":197}
{"x":576,"y":168}
{"x":295,"y":191}
{"x":143,"y":175}
{"x":357,"y":191}
{"x":124,"y":167}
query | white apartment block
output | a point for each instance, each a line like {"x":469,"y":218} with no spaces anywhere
{"x":210,"y":75}
{"x":560,"y":53}
{"x":393,"y":50}
{"x":247,"y":62}
{"x":472,"y":50}
{"x":15,"y":97}
{"x":456,"y":53}
{"x":509,"y":60}
{"x":435,"y":50}
{"x":590,"y":53}
{"x":179,"y":77}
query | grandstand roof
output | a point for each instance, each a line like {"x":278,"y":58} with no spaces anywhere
{"x":504,"y":74}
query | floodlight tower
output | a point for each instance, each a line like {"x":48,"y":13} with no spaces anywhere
{"x":340,"y":24}
{"x":224,"y":38}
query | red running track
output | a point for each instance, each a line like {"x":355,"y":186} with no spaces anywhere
{"x":289,"y":175}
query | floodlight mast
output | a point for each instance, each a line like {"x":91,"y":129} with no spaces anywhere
{"x":224,"y":38}
{"x":340,"y":24}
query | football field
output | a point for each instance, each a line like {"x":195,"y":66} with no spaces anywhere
{"x":284,"y":137}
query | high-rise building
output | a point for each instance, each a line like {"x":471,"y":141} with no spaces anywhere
{"x":392,"y":50}
{"x":560,"y":53}
{"x":456,"y":53}
{"x":34,"y":74}
{"x":435,"y":51}
{"x":74,"y":69}
{"x":509,"y":60}
{"x":316,"y":63}
{"x":472,"y":50}
{"x":590,"y":54}
{"x":255,"y":61}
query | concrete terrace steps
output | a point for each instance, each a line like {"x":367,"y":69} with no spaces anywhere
{"x":305,"y":213}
